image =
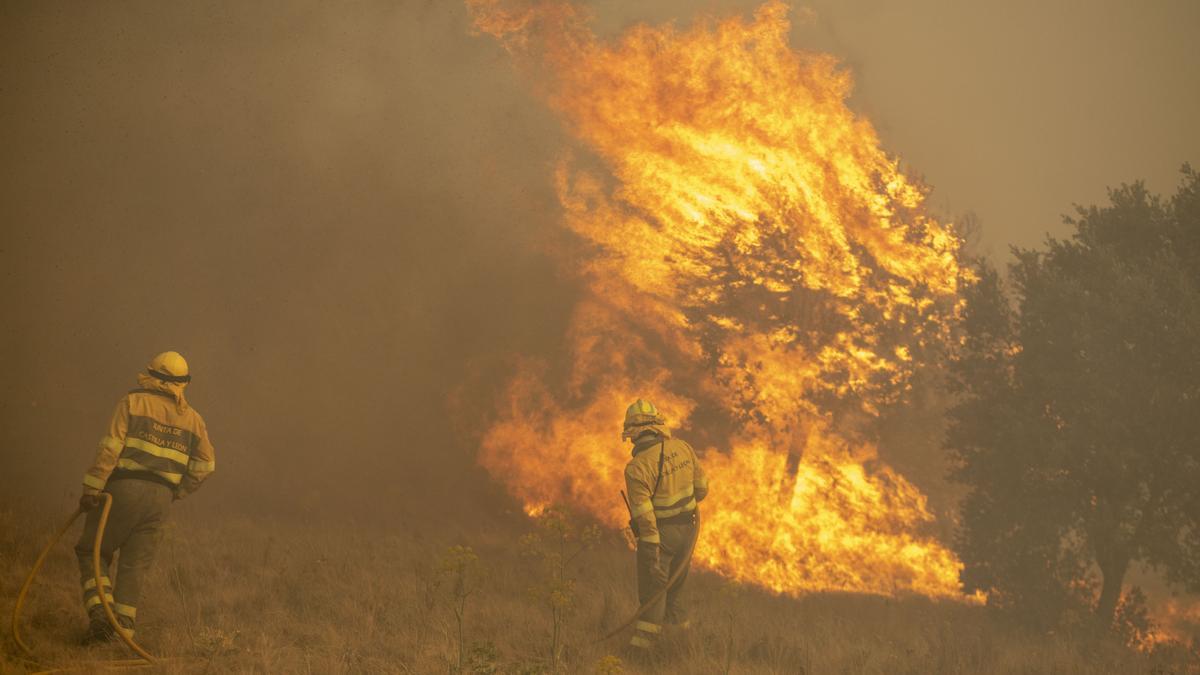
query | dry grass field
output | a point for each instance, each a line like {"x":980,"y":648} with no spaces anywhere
{"x":239,"y":595}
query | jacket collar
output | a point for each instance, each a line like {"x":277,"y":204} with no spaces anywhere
{"x":645,"y":442}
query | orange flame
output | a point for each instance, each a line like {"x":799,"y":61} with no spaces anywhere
{"x":752,"y":258}
{"x":1175,"y":621}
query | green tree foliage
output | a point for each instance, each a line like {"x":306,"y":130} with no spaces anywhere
{"x":1078,"y":428}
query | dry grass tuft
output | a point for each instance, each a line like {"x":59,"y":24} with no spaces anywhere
{"x":248,"y":596}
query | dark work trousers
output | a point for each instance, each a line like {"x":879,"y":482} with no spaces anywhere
{"x":135,"y":526}
{"x":675,"y":541}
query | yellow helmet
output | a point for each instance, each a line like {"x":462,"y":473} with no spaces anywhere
{"x":170,"y":367}
{"x":642,"y":413}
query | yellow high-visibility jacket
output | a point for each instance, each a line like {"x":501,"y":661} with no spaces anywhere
{"x":152,"y":439}
{"x":680,"y":487}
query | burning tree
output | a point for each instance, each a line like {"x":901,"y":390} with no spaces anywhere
{"x":1078,"y":429}
{"x":754,"y":261}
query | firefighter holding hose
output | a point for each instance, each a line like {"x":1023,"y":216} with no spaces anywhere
{"x":155,"y":452}
{"x":665,"y":483}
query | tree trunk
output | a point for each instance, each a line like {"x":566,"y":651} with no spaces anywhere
{"x":1113,"y":571}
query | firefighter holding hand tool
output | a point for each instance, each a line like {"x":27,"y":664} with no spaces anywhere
{"x":156,"y":451}
{"x":664,"y":482}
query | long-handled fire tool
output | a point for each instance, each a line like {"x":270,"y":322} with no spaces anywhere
{"x":146,"y":658}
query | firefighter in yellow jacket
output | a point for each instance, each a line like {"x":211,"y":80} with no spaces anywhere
{"x":155,"y":452}
{"x":664,"y":484}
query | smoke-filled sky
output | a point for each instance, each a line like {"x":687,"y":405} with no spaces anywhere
{"x":338,"y":213}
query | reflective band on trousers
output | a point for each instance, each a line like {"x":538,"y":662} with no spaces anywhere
{"x":639,"y":641}
{"x":648,"y":627}
{"x":95,"y":600}
{"x":125,"y":610}
{"x":91,"y":583}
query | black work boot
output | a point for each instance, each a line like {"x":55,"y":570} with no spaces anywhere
{"x":99,"y":630}
{"x":643,"y":657}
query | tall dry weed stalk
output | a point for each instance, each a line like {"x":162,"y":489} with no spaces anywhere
{"x":463,"y":574}
{"x":559,"y":538}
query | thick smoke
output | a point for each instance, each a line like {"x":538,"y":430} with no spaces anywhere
{"x":339,"y":213}
{"x":297,"y":202}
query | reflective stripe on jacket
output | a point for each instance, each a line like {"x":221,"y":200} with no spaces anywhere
{"x":150,"y":437}
{"x":681,"y":486}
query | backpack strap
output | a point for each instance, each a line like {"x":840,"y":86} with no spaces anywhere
{"x":658,"y":480}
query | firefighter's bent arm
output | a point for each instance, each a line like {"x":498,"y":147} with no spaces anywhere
{"x":95,"y":478}
{"x":640,"y":506}
{"x":201,"y":464}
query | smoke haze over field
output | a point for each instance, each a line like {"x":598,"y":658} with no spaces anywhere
{"x":339,"y":215}
{"x":318,"y":209}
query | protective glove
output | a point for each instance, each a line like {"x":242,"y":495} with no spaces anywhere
{"x":88,"y":501}
{"x":648,"y":558}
